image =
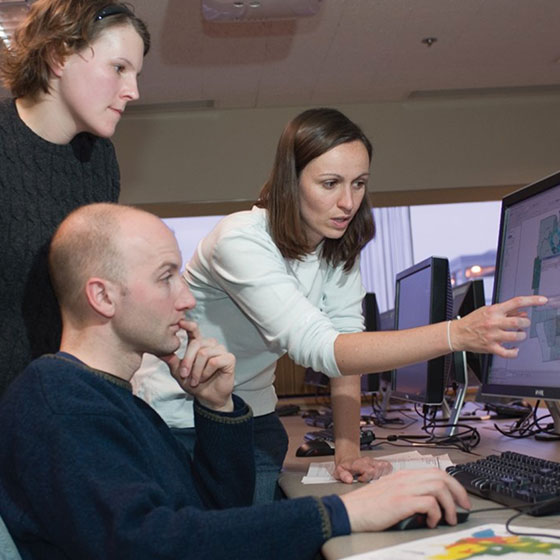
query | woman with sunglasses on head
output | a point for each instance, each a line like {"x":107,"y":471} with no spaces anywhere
{"x":72,"y":67}
{"x":285,"y":278}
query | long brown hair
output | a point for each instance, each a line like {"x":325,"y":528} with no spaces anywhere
{"x":55,"y":29}
{"x":306,"y":137}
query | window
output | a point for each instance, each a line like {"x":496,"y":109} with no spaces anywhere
{"x":466,"y":233}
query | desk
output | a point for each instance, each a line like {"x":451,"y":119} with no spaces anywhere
{"x":492,"y":442}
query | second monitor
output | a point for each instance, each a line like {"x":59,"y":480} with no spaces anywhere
{"x":422,"y":297}
{"x":376,"y":321}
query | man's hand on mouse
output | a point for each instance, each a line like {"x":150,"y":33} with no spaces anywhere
{"x":382,"y":504}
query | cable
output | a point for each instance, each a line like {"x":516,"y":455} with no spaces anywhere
{"x":520,"y":513}
{"x":529,"y":426}
{"x":466,"y":439}
{"x":420,"y":440}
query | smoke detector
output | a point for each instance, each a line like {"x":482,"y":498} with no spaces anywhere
{"x":258,"y":10}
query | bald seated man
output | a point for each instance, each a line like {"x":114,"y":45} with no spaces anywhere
{"x":90,"y":471}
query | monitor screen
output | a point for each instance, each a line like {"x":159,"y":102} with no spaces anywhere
{"x":422,"y":297}
{"x":466,"y":298}
{"x":528,"y":262}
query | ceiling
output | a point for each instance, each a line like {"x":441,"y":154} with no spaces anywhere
{"x":352,"y":51}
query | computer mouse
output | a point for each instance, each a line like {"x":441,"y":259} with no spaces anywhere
{"x":418,"y":521}
{"x":315,"y":448}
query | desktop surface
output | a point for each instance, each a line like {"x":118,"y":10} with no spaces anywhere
{"x":492,"y":442}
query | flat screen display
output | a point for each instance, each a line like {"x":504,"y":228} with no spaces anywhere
{"x":423,"y":296}
{"x":528,"y":262}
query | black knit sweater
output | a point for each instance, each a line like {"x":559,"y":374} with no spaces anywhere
{"x":40,"y":183}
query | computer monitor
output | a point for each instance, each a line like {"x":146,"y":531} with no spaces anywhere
{"x":422,"y":297}
{"x":528,"y":262}
{"x":384,"y":380}
{"x":379,"y":382}
{"x":373,"y":320}
{"x":466,"y":298}
{"x":387,"y":320}
{"x":369,"y":382}
{"x":466,"y":367}
{"x":316,"y":379}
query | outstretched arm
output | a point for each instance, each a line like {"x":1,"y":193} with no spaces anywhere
{"x":488,"y":330}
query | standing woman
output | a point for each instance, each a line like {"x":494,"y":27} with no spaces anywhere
{"x":285,"y":278}
{"x":72,"y":67}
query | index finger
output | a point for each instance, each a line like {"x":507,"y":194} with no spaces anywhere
{"x":191,"y":328}
{"x":522,"y":301}
{"x":458,"y":491}
{"x":344,"y":474}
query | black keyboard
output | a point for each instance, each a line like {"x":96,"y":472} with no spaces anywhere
{"x":514,"y":480}
{"x":366,"y":436}
{"x":508,"y":410}
{"x":320,"y":420}
{"x":287,"y":409}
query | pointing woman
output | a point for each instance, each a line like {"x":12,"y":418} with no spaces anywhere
{"x":285,"y":278}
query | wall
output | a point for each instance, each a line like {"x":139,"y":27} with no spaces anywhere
{"x":225,"y":155}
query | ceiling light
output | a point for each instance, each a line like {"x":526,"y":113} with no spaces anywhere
{"x":257,"y":10}
{"x":12,"y":13}
{"x":429,"y":41}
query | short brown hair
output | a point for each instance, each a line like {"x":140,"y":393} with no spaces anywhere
{"x":306,"y":137}
{"x":56,"y":29}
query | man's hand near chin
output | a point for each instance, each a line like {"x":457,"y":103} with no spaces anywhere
{"x":206,"y":371}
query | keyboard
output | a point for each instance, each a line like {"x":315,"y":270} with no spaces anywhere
{"x":508,"y":410}
{"x":287,"y":409}
{"x":514,"y":480}
{"x":320,"y":420}
{"x":366,"y":436}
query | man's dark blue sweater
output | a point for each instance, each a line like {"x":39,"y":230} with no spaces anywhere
{"x":89,"y":471}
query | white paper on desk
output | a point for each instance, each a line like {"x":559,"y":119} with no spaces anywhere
{"x":319,"y":473}
{"x":322,"y":473}
{"x":485,"y":542}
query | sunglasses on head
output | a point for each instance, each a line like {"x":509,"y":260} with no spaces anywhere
{"x":112,"y":10}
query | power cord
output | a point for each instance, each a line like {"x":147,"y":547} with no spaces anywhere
{"x":528,"y":507}
{"x":529,"y":426}
{"x":464,"y":438}
{"x":430,"y":441}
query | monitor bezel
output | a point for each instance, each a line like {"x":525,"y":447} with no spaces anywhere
{"x":436,"y":369}
{"x":523,"y":391}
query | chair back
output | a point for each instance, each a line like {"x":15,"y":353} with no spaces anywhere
{"x":8,"y":550}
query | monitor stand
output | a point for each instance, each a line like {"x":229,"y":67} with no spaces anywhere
{"x":452,"y":414}
{"x":386,"y":407}
{"x":554,"y":409}
{"x":385,"y":390}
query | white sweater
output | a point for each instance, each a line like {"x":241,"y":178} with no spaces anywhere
{"x":260,"y":306}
